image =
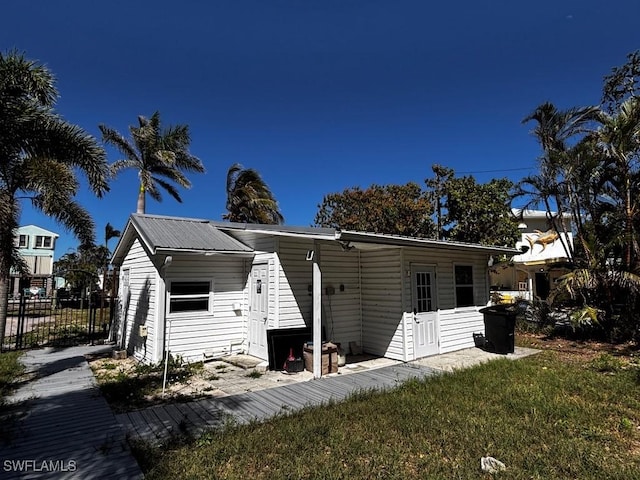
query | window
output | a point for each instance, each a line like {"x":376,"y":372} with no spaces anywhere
{"x":423,"y":292}
{"x":23,"y":241}
{"x":464,"y":285}
{"x":43,"y":242}
{"x":189,"y":296}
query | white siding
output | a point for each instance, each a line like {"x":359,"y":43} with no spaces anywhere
{"x":295,"y":302}
{"x":265,"y":247}
{"x":373,"y":309}
{"x":341,"y":314}
{"x":381,"y":283}
{"x":224,"y":330}
{"x":139,"y":307}
{"x":258,"y":241}
{"x":457,"y":325}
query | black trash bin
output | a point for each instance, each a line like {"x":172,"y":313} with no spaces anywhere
{"x":499,"y":328}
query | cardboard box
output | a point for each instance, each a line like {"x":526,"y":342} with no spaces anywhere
{"x":329,"y":358}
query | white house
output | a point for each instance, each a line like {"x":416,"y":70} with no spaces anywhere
{"x":205,"y":289}
{"x":534,"y":272}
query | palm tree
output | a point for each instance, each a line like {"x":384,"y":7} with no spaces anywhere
{"x":109,"y":233}
{"x":159,"y":155}
{"x":40,"y":153}
{"x":249,"y":198}
{"x":619,"y":137}
{"x":564,"y":137}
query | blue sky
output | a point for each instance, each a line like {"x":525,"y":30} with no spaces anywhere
{"x":319,"y":95}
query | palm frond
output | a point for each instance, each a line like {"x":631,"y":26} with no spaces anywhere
{"x":70,"y":215}
{"x":112,"y":137}
{"x":585,"y":317}
{"x":249,"y":198}
{"x":24,"y":79}
{"x":160,"y":156}
{"x":169,"y":188}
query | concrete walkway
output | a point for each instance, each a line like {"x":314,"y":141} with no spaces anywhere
{"x":266,"y":399}
{"x":61,"y":426}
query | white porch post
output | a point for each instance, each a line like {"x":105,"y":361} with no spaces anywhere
{"x":317,"y":314}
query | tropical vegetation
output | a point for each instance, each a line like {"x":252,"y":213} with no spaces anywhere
{"x":159,"y":155}
{"x":450,"y":208}
{"x":589,"y":180}
{"x":249,"y":198}
{"x":468,"y":211}
{"x":391,"y":209}
{"x":40,"y":154}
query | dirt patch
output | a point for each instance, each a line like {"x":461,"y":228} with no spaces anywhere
{"x":579,"y":351}
{"x":129,"y":385}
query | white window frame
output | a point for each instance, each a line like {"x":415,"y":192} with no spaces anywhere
{"x":464,"y":285}
{"x":42,"y":244}
{"x":191,"y":313}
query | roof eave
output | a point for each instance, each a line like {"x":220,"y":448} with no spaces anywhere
{"x":377,"y":238}
{"x":277,"y":230}
{"x":188,"y":251}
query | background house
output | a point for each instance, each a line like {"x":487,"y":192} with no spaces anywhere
{"x":36,"y":245}
{"x":206,"y":289}
{"x":533,"y":273}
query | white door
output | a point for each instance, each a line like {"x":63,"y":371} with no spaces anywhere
{"x":258,"y":311}
{"x":425,"y":315}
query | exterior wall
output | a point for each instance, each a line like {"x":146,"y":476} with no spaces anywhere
{"x":195,"y":335}
{"x":341,"y":310}
{"x":264,"y":247}
{"x":456,"y":325}
{"x":137,"y":303}
{"x":366,"y":297}
{"x":374,"y":309}
{"x":290,"y":276}
{"x":381,"y":283}
{"x":295,"y":307}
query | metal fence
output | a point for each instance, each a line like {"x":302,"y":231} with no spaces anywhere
{"x":36,"y":321}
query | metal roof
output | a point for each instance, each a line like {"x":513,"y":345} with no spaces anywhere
{"x":284,"y":230}
{"x":192,"y":235}
{"x":177,"y":234}
{"x":356,"y":236}
{"x":165,"y":233}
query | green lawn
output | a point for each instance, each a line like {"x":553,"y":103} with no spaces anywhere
{"x":545,"y":417}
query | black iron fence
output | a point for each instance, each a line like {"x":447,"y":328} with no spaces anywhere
{"x":37,"y":320}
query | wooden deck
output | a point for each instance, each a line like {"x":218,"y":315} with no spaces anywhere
{"x":60,"y":426}
{"x":159,"y":423}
